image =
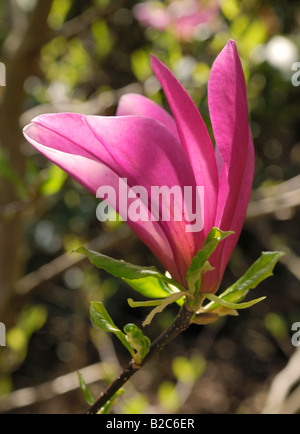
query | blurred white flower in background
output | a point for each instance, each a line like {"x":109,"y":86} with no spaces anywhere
{"x":281,"y":53}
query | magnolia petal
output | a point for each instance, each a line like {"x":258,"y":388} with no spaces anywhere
{"x":145,"y":145}
{"x":143,"y":150}
{"x":241,"y":207}
{"x":72,"y":136}
{"x":92,"y":174}
{"x":128,"y":146}
{"x":147,"y":154}
{"x":195,"y":140}
{"x":84,"y":168}
{"x":152,"y":14}
{"x":219,"y":259}
{"x":134,"y":104}
{"x":227,"y":101}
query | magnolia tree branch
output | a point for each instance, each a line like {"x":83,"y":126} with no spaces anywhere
{"x":51,"y":390}
{"x":180,"y":324}
{"x":279,"y":394}
{"x":96,"y":105}
{"x":24,"y":288}
{"x":53,"y":269}
{"x":275,"y":199}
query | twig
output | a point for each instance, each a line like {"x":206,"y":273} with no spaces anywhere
{"x":51,"y":389}
{"x":94,"y":106}
{"x":269,"y":200}
{"x":56,"y":267}
{"x":282,"y":385}
{"x":292,"y":403}
{"x":291,"y":260}
{"x":82,"y":22}
{"x":181,"y":323}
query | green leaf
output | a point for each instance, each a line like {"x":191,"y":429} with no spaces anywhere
{"x":116,"y":267}
{"x":169,"y":300}
{"x":103,"y":321}
{"x":55,"y":181}
{"x":89,"y":398}
{"x":261,"y":269}
{"x":230,"y":305}
{"x":168,"y":396}
{"x":149,"y":303}
{"x":200,"y":262}
{"x":123,"y":269}
{"x":139,"y":342}
{"x":150,"y":287}
{"x":107,"y":406}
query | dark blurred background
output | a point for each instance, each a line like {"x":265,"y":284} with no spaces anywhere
{"x":81,"y":56}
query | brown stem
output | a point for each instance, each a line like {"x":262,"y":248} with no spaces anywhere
{"x":181,"y":323}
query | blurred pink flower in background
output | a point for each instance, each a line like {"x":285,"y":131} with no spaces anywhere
{"x":183,"y":17}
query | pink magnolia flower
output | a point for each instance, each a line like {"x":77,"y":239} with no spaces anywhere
{"x":182,"y":17}
{"x":149,"y":147}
